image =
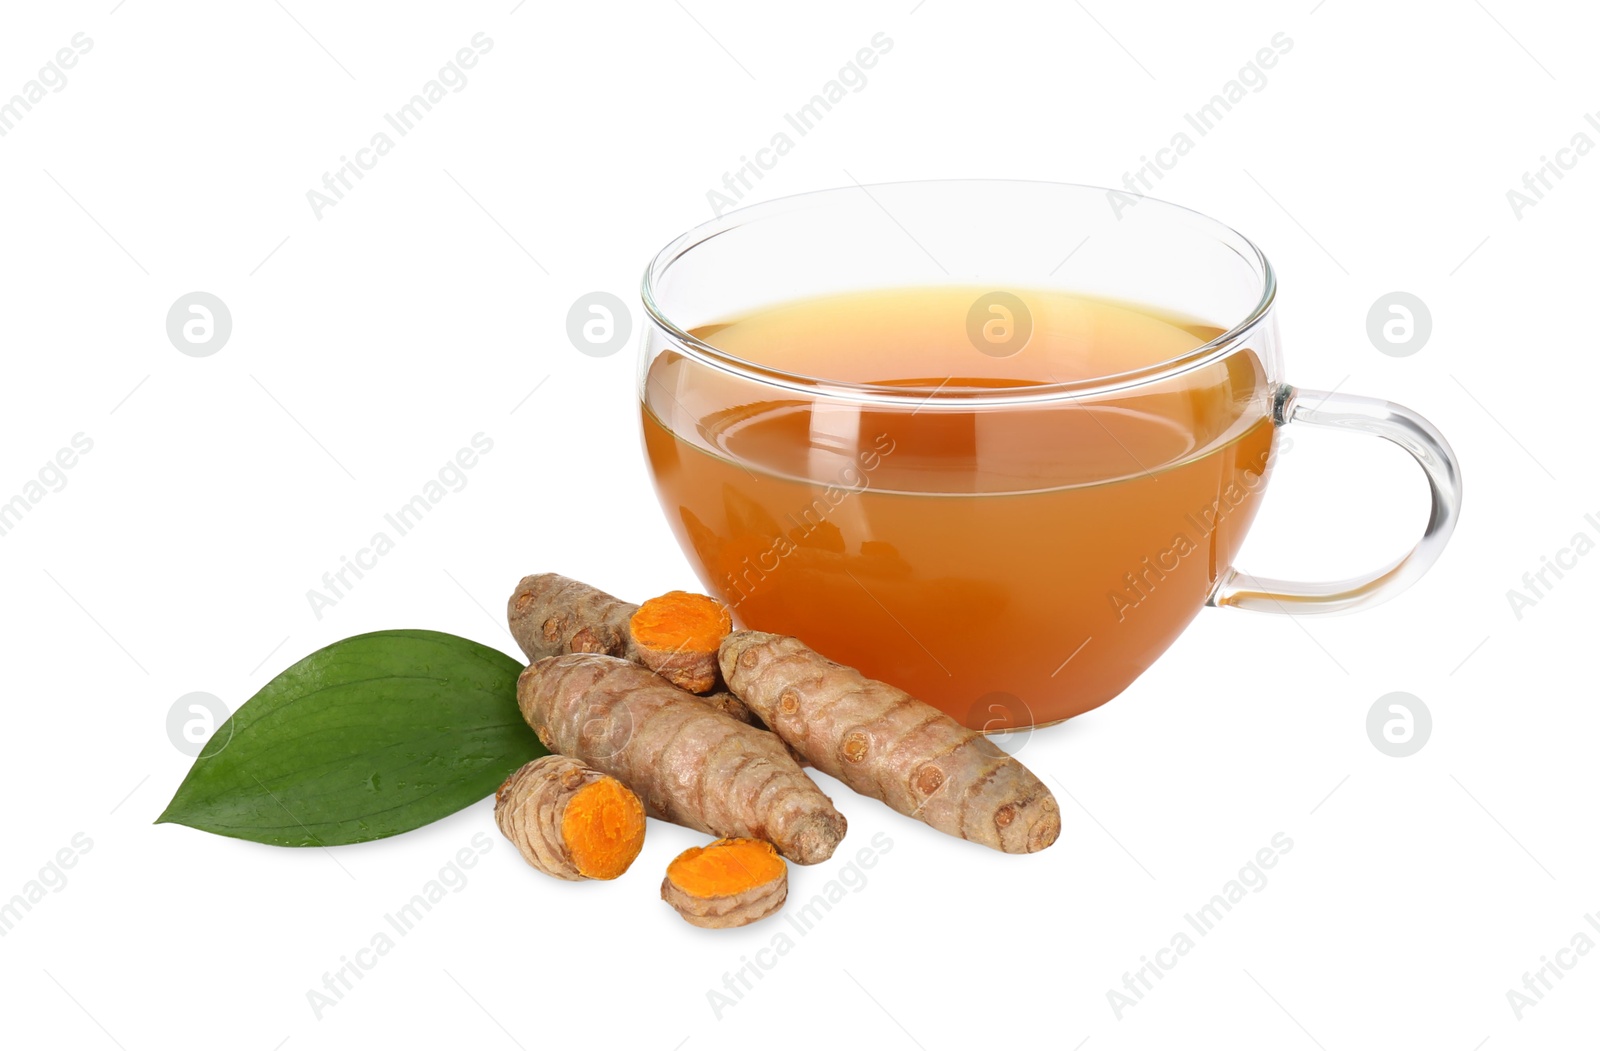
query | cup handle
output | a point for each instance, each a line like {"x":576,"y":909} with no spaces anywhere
{"x":1398,"y":424}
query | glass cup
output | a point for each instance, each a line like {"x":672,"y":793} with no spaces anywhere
{"x":1014,"y":551}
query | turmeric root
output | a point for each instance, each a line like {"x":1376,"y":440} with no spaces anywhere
{"x":676,"y":635}
{"x":689,"y":763}
{"x":729,"y":705}
{"x":550,"y":615}
{"x":886,"y":744}
{"x":569,"y":821}
{"x":729,"y":883}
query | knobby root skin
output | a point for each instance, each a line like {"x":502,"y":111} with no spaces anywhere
{"x":677,"y":635}
{"x":689,"y":763}
{"x":886,"y":744}
{"x":729,"y":883}
{"x":728,"y":704}
{"x":550,"y":614}
{"x":725,"y":702}
{"x":570,"y":821}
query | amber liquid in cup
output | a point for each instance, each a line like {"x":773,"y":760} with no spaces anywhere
{"x":1013,"y":564}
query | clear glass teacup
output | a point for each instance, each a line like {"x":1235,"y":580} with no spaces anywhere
{"x":993,"y":442}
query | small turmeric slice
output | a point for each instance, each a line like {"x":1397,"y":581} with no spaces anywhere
{"x":569,"y":821}
{"x":676,"y":635}
{"x":884,"y":743}
{"x":729,"y":883}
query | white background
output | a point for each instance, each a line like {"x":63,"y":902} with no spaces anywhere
{"x":372,"y":343}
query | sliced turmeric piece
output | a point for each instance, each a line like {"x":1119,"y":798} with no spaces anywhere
{"x":689,"y":763}
{"x":729,"y":883}
{"x":676,"y":635}
{"x":570,"y":821}
{"x":884,"y":743}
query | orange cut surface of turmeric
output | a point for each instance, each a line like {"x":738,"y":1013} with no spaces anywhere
{"x":569,"y":820}
{"x":603,"y":827}
{"x":676,"y":635}
{"x":728,"y":866}
{"x":729,"y":883}
{"x":681,"y":620}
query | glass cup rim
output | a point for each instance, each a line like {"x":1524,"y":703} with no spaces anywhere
{"x":813,"y":386}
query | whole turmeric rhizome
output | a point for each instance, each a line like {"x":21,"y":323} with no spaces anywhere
{"x":663,"y":710}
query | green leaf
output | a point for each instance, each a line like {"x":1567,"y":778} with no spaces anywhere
{"x":369,"y":737}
